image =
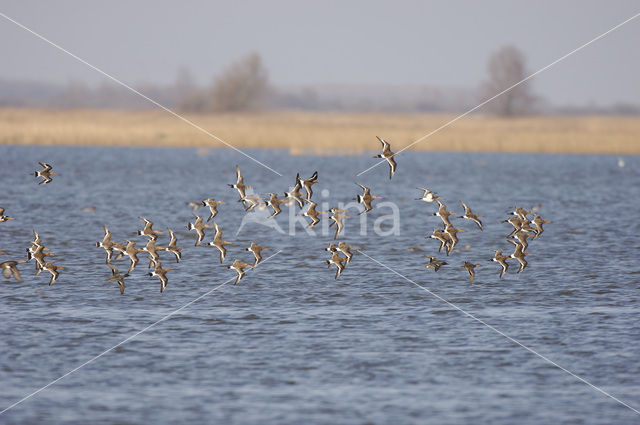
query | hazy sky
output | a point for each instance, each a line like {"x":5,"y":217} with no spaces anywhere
{"x":438,"y":43}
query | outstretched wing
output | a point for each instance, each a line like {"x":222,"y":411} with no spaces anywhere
{"x":114,"y":270}
{"x":239,"y":179}
{"x":173,"y":237}
{"x":16,"y":273}
{"x":384,"y":143}
{"x":200,"y":233}
{"x":223,"y":252}
{"x":392,"y":166}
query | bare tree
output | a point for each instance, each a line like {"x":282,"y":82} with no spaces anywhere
{"x":242,"y":86}
{"x":506,"y":67}
{"x":189,"y":96}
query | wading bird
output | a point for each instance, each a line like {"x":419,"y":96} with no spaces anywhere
{"x":239,"y":185}
{"x":274,"y":203}
{"x":132,"y":252}
{"x":434,"y":263}
{"x":443,"y":213}
{"x":502,"y":260}
{"x":388,"y":155}
{"x":338,"y":217}
{"x":162,"y":275}
{"x":469,"y":215}
{"x":213,"y":207}
{"x":53,"y":269}
{"x":469,"y":267}
{"x":45,"y":173}
{"x":295,"y":192}
{"x":239,"y":267}
{"x":218,"y":242}
{"x":346,"y":250}
{"x":312,"y":213}
{"x":173,"y":246}
{"x":519,"y":254}
{"x":538,"y":222}
{"x":256,"y":250}
{"x":428,"y":195}
{"x":10,"y":268}
{"x":199,"y":227}
{"x":336,"y":259}
{"x":308,"y":183}
{"x":366,"y":199}
{"x":148,"y":229}
{"x":3,"y":217}
{"x":116,"y":276}
{"x":107,"y":244}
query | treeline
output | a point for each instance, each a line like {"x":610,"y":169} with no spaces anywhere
{"x":321,"y":97}
{"x":245,"y":86}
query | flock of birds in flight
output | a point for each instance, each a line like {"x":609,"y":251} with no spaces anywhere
{"x":523,"y":229}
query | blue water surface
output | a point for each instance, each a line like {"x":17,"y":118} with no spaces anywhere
{"x":290,"y":344}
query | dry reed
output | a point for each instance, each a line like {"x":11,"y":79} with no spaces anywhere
{"x":322,"y":133}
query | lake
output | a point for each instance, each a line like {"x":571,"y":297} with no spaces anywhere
{"x":291,"y":344}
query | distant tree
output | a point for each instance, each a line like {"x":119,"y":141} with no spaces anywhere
{"x":506,"y":67}
{"x":243,"y":86}
{"x":188,"y":95}
{"x":184,"y":81}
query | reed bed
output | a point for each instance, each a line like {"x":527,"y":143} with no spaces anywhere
{"x":322,"y":133}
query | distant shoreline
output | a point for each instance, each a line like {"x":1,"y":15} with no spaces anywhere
{"x":321,"y":133}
